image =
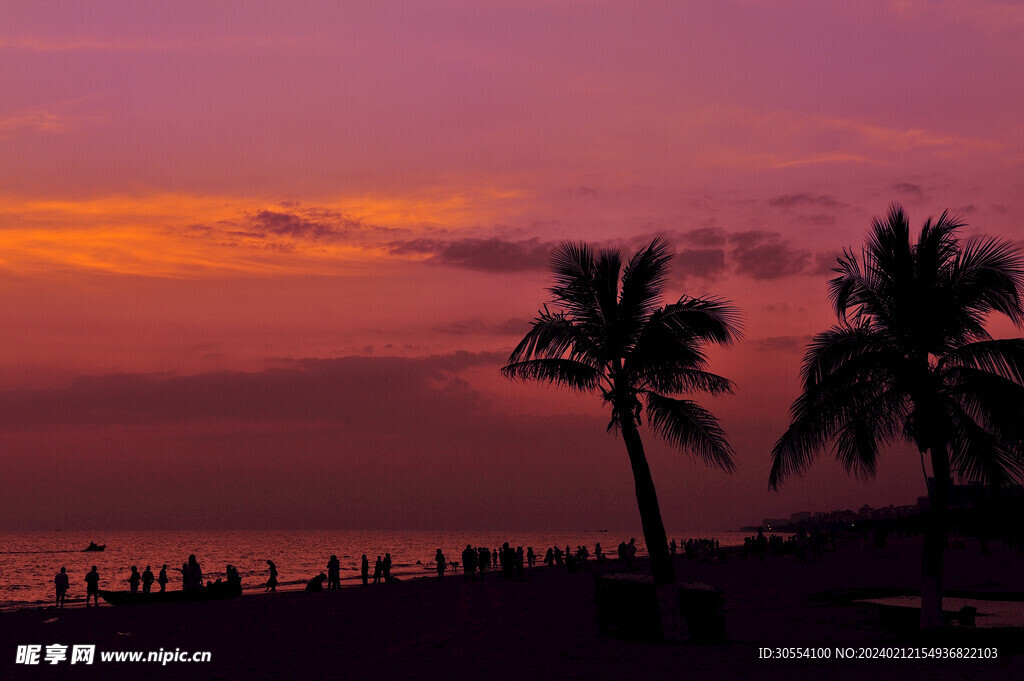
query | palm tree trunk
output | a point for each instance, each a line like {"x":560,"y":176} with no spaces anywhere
{"x":935,"y":540}
{"x":650,"y":512}
{"x":666,"y":591}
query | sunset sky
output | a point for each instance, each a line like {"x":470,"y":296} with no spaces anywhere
{"x":261,"y":261}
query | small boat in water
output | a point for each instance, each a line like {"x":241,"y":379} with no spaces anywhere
{"x":213,"y":592}
{"x":93,"y":546}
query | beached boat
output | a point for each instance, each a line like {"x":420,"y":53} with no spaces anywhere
{"x":94,"y":547}
{"x":213,"y":592}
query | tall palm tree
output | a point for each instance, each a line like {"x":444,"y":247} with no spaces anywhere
{"x":620,"y":341}
{"x":910,"y":360}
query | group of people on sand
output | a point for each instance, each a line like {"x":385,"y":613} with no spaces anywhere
{"x":703,"y":549}
{"x":509,"y":561}
{"x":475,"y":560}
{"x":62,"y":582}
{"x":191,"y":580}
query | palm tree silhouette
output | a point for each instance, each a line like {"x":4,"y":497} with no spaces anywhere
{"x":622,"y":342}
{"x":910,"y":360}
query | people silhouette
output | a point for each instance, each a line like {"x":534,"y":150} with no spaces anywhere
{"x":387,"y":568}
{"x":316,"y":585}
{"x":378,"y":570}
{"x":365,"y":570}
{"x":60,"y":582}
{"x":134,"y":579}
{"x":441,"y":563}
{"x":760,"y":544}
{"x":162,"y":579}
{"x":630,"y":552}
{"x":469,"y":559}
{"x":272,"y":581}
{"x":192,"y":574}
{"x":333,"y":573}
{"x":147,"y":580}
{"x":483,"y":561}
{"x":92,"y":586}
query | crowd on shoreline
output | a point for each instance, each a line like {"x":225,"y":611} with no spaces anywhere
{"x":507,"y":561}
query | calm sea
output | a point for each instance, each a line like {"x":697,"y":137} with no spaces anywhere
{"x":29,"y":560}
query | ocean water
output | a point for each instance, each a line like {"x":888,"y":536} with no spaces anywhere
{"x":29,"y":560}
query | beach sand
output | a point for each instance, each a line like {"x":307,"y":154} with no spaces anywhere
{"x":542,"y":627}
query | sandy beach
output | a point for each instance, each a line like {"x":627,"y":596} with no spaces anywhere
{"x":543,"y":626}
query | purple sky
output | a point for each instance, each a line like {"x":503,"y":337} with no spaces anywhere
{"x":262,"y":262}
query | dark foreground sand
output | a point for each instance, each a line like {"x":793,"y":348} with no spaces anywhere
{"x":544,"y":627}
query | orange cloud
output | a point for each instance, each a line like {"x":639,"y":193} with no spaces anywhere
{"x":179,"y":235}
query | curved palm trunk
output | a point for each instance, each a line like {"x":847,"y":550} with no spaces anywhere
{"x":665,"y":588}
{"x":935,"y":541}
{"x":650,"y":512}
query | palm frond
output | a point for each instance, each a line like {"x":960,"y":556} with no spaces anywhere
{"x":1003,"y":357}
{"x":842,"y":345}
{"x":978,"y":455}
{"x":643,"y":282}
{"x":704,"y":320}
{"x":553,"y":335}
{"x":680,"y":380}
{"x":574,"y":269}
{"x":988,"y":275}
{"x":871,"y":426}
{"x":564,"y":372}
{"x":686,"y":425}
{"x":993,"y":401}
{"x":607,"y":268}
{"x":854,"y":407}
{"x":660,"y":351}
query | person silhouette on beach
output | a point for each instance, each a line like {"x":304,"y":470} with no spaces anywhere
{"x":233,"y":579}
{"x":147,"y":580}
{"x":378,"y":570}
{"x":162,"y":579}
{"x":134,"y":579}
{"x":387,"y":568}
{"x":192,"y":574}
{"x":92,"y":586}
{"x":630,"y":552}
{"x":333,"y":573}
{"x":316,"y":585}
{"x":272,"y":581}
{"x":441,"y":563}
{"x":60,"y":582}
{"x":469,"y":558}
{"x":483,"y":560}
{"x":365,"y":570}
{"x":530,"y":557}
{"x":760,"y":544}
